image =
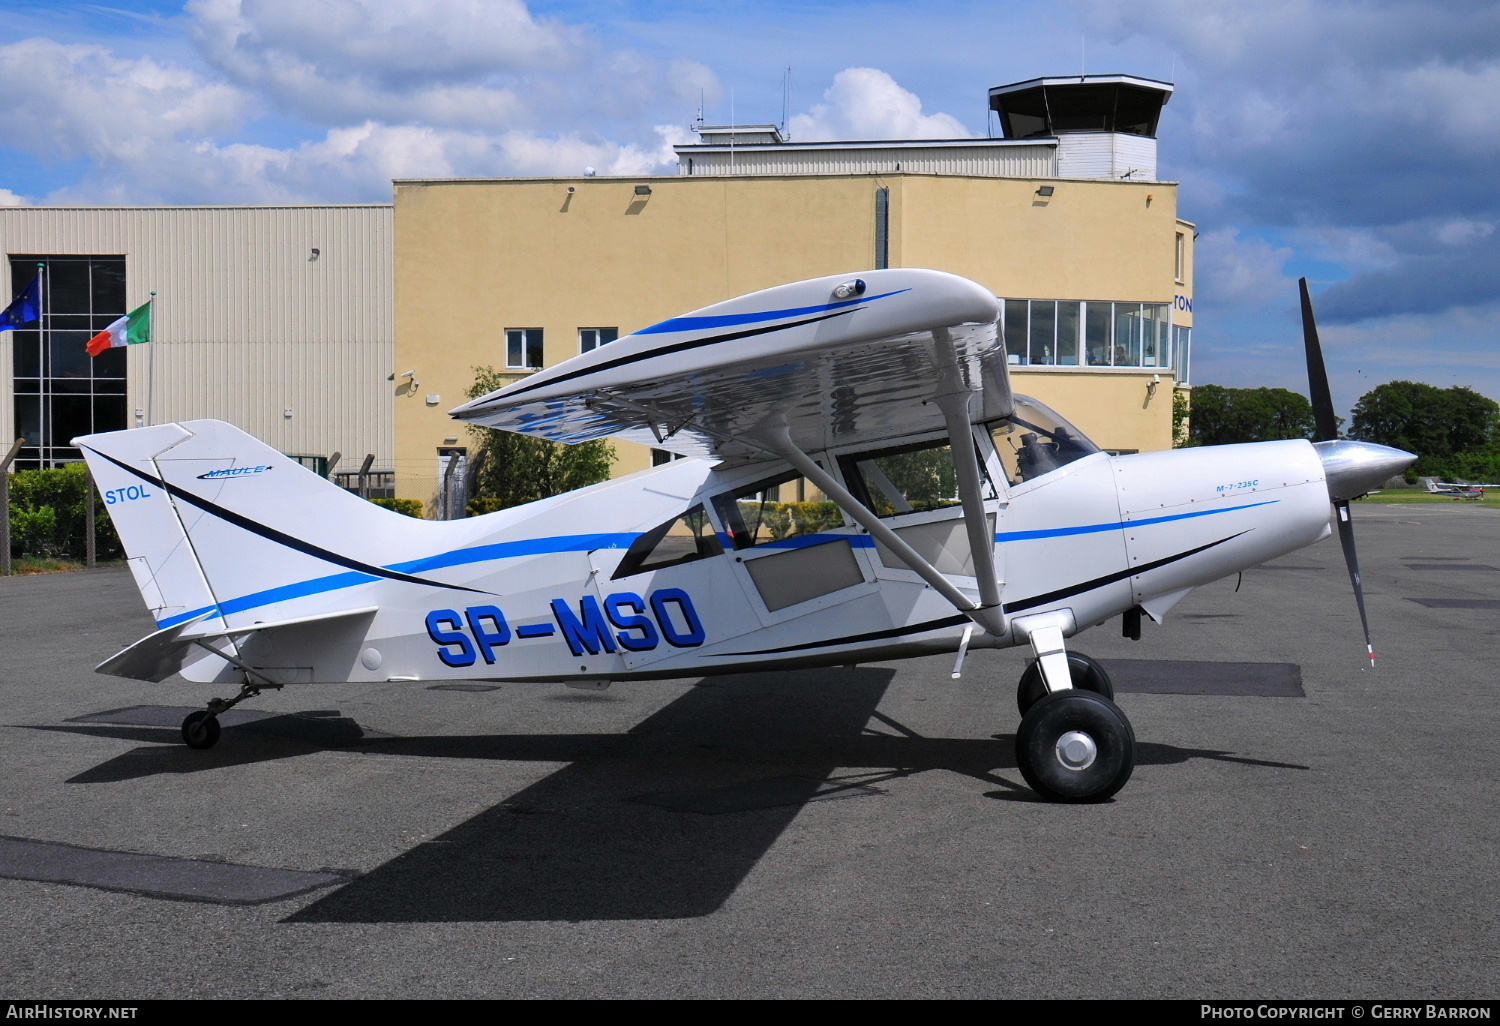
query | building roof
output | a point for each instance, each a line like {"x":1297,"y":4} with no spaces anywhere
{"x":1064,"y":80}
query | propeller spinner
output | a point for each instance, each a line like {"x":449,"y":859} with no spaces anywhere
{"x":1351,"y":468}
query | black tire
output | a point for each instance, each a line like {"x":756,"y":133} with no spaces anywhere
{"x":1044,"y":762}
{"x":200,"y":730}
{"x":1087,"y":672}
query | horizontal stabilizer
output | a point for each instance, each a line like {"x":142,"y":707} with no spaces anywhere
{"x":159,"y":655}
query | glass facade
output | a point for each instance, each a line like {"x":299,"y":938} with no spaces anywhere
{"x":60,"y":391}
{"x":1096,"y":333}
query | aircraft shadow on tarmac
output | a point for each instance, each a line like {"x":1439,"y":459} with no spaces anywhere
{"x":580,"y":844}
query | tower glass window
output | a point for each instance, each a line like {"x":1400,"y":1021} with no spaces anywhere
{"x":1096,"y":333}
{"x":60,"y":391}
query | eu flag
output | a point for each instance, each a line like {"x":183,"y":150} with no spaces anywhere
{"x":25,"y":308}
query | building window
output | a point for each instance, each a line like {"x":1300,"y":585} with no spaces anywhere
{"x":1043,"y":332}
{"x":1015,"y":329}
{"x":1096,"y":333}
{"x":523,"y":348}
{"x":60,"y":391}
{"x":1182,"y":354}
{"x":1127,"y":348}
{"x":590,"y":339}
{"x":1181,"y":257}
{"x":1097,"y":321}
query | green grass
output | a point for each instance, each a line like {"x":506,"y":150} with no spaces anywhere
{"x":1491,"y":498}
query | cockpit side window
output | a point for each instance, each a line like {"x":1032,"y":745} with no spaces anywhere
{"x":774,"y":509}
{"x":905,"y":479}
{"x":682,"y":539}
{"x":1034,"y":441}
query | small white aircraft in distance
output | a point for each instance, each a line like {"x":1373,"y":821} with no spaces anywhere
{"x":950,"y":514}
{"x":1473,"y":492}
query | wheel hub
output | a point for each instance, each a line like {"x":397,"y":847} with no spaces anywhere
{"x":1076,"y":750}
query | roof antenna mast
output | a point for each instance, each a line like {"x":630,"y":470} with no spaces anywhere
{"x":786,"y":101}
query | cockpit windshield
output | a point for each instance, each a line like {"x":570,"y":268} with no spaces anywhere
{"x":1034,"y":441}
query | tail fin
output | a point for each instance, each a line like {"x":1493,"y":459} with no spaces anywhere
{"x":161,"y":557}
{"x":220,"y":527}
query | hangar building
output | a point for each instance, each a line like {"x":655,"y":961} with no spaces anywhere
{"x":277,"y":319}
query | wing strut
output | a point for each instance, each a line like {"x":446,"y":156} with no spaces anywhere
{"x":953,"y":399}
{"x":990,"y":618}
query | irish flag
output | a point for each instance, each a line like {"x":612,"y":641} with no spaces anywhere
{"x":134,"y":327}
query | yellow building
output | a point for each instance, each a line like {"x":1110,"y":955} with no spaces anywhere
{"x":1062,"y":219}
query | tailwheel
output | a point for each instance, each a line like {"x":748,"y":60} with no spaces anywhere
{"x":1087,"y":672}
{"x":1075,"y":746}
{"x":200,"y":730}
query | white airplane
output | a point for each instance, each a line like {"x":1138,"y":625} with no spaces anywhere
{"x":941,"y":513}
{"x":1457,"y":490}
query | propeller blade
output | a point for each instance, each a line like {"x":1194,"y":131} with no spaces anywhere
{"x":1346,"y":539}
{"x":1317,"y":374}
{"x":1328,"y":431}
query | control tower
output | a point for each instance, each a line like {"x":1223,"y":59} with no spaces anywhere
{"x":1105,"y":125}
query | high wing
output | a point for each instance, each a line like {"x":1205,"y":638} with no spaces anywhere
{"x":831,"y":359}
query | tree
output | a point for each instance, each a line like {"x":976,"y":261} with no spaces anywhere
{"x":48,"y":513}
{"x":1438,"y":424}
{"x":1182,"y":411}
{"x":517,"y":469}
{"x":1221,"y":416}
{"x":1481,"y":463}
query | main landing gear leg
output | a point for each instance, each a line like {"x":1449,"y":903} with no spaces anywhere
{"x":1073,"y":745}
{"x":201,"y":729}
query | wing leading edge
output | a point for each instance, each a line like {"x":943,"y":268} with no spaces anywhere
{"x":832,"y":359}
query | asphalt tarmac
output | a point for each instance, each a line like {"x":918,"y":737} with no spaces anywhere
{"x":1323,"y":831}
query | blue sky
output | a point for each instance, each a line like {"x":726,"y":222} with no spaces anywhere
{"x":1351,"y":142}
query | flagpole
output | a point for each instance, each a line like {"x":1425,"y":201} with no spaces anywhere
{"x":151,"y":366}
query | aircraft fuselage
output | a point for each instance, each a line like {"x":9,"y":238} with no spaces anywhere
{"x":545,"y":597}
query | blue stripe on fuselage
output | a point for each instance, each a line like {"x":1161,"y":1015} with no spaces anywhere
{"x":590,"y":542}
{"x":1062,"y":532}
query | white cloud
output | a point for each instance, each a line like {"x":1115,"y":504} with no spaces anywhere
{"x":355,"y":163}
{"x":866,"y":103}
{"x":485,"y":65}
{"x":153,"y":132}
{"x":1353,"y":248}
{"x":10,"y":199}
{"x":1459,"y":104}
{"x":339,"y":61}
{"x":1462,"y":231}
{"x":1232,"y":271}
{"x":71,"y":101}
